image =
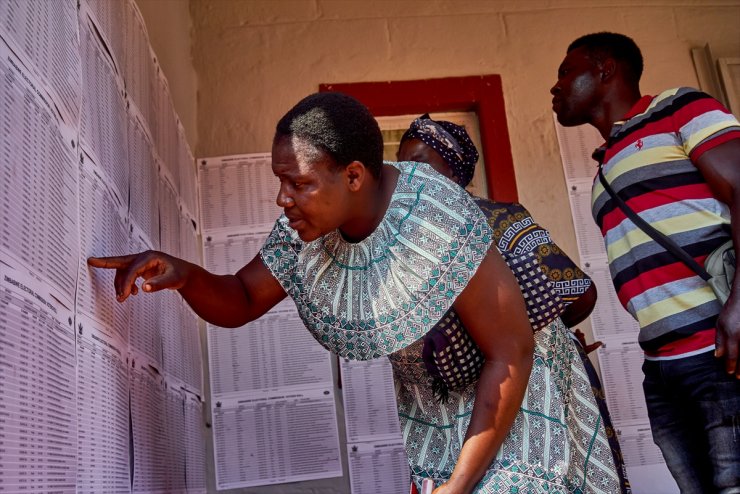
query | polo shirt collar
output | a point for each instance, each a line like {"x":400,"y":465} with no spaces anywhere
{"x":639,"y":107}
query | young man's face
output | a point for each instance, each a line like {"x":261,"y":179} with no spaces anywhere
{"x":576,"y":93}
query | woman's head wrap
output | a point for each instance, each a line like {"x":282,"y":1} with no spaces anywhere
{"x":451,"y":141}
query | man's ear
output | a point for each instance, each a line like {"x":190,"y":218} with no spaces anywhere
{"x":607,"y":69}
{"x":356,"y":174}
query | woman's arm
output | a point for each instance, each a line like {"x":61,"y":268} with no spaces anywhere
{"x":223,"y":300}
{"x":578,"y":310}
{"x":492,"y":309}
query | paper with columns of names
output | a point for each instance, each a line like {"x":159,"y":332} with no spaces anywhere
{"x":272,"y":391}
{"x":79,"y":368}
{"x":375,"y":448}
{"x":38,"y":426}
{"x":620,"y":358}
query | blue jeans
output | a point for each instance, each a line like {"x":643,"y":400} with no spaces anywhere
{"x":694,"y":410}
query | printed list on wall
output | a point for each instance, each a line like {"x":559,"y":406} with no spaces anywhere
{"x":272,"y":390}
{"x":96,"y":396}
{"x":620,"y":357}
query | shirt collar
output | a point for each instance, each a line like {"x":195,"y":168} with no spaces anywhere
{"x":639,"y":107}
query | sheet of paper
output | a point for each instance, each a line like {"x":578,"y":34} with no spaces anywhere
{"x":38,"y":411}
{"x":145,"y":332}
{"x":276,"y":437}
{"x":103,"y":232}
{"x":174,"y":405}
{"x":164,"y":128}
{"x":180,"y":341}
{"x":625,"y":398}
{"x":273,"y":352}
{"x":110,"y":22}
{"x":38,"y":180}
{"x":144,"y":179}
{"x":375,"y":448}
{"x":588,"y":236}
{"x":149,"y":423}
{"x":188,"y":175}
{"x":644,"y":461}
{"x":610,"y":320}
{"x":228,"y":252}
{"x":44,"y":34}
{"x":138,"y":63}
{"x":370,"y":412}
{"x":237,"y":191}
{"x":378,"y":466}
{"x":195,"y":445}
{"x":104,"y":122}
{"x":190,"y":243}
{"x":102,"y":411}
{"x":169,"y":214}
{"x":577,"y":144}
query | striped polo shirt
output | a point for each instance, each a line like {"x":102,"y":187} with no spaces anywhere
{"x":649,"y":161}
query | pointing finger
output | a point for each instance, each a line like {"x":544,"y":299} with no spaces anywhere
{"x":115,"y":262}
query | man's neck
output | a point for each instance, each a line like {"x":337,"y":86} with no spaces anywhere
{"x":614,"y":109}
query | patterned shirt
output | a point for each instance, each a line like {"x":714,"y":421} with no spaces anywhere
{"x":649,"y":161}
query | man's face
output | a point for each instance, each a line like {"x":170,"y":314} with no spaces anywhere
{"x":312,"y":192}
{"x":576,"y":95}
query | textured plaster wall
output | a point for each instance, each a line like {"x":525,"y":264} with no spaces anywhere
{"x":256,"y":58}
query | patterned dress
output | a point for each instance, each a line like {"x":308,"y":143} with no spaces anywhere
{"x":381,"y":295}
{"x":515,"y":231}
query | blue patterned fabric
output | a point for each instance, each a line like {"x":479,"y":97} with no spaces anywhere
{"x":515,"y":231}
{"x":368,"y":299}
{"x":557,"y":444}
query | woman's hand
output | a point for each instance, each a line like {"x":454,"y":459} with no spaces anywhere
{"x":588,"y":348}
{"x":447,"y":488}
{"x":158,"y":270}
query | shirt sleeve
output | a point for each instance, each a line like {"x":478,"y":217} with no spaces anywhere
{"x":280,"y":253}
{"x":702,"y":122}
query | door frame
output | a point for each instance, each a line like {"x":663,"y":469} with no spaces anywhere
{"x":480,"y":94}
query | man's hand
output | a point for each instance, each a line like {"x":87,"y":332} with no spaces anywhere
{"x":727,"y":339}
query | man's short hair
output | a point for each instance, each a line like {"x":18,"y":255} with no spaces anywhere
{"x":337,"y":124}
{"x":617,"y":46}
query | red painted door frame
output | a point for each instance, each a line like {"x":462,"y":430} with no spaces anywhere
{"x":482,"y":94}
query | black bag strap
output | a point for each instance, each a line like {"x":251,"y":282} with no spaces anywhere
{"x":666,"y":242}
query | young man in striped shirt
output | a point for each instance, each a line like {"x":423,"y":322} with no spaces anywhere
{"x":674,"y":159}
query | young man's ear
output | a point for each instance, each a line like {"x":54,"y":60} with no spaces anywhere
{"x":607,"y":68}
{"x":356,"y":174}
